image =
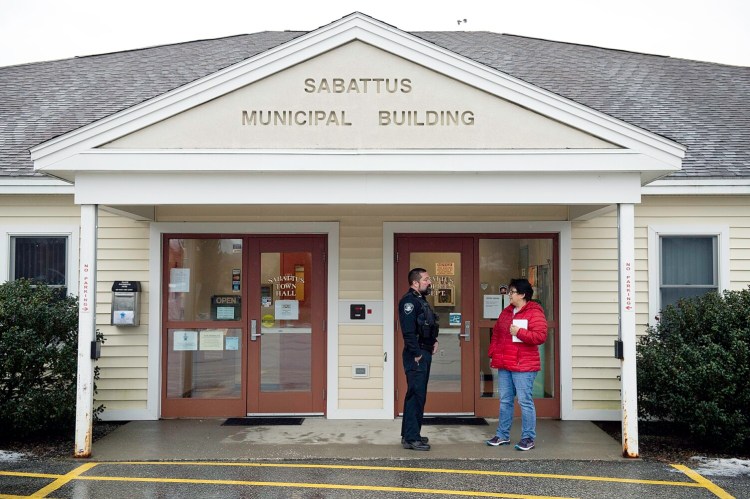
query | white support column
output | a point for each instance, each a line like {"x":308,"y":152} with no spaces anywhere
{"x":629,"y":390}
{"x":86,"y":330}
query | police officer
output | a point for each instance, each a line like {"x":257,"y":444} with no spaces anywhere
{"x":419,"y":325}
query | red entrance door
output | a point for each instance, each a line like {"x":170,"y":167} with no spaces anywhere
{"x":243,"y":325}
{"x":449,"y":261}
{"x":469,"y":273}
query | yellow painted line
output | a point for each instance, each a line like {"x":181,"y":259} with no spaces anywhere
{"x":420,"y":470}
{"x":62,"y":480}
{"x":704,"y":482}
{"x":30,"y":475}
{"x":333,"y":486}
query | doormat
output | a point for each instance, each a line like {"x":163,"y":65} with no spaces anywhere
{"x":263,"y":422}
{"x":455,"y":421}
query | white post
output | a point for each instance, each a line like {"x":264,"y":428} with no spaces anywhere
{"x":86,"y":330}
{"x":629,"y":381}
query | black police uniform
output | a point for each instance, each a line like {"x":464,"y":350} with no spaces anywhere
{"x":419,"y":325}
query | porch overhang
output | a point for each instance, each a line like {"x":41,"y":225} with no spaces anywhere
{"x":152,"y":178}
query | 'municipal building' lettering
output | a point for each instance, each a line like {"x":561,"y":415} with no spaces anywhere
{"x":292,"y":118}
{"x":426,"y":118}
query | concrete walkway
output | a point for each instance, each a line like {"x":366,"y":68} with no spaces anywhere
{"x":207,"y":439}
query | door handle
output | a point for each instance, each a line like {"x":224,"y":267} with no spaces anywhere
{"x":467,"y":331}
{"x":254,"y":335}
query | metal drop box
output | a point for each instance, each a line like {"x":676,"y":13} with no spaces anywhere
{"x":126,"y":303}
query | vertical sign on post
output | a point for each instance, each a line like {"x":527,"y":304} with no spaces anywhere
{"x":86,"y":331}
{"x":626,"y":289}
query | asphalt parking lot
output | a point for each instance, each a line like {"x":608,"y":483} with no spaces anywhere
{"x":366,"y":478}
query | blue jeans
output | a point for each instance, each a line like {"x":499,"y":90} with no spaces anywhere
{"x":510,"y":385}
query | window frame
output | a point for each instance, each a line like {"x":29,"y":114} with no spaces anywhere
{"x":71,"y":233}
{"x":655,"y":234}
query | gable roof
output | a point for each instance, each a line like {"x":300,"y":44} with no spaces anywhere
{"x":697,"y":104}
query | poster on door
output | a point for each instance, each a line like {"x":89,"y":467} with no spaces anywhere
{"x":287,"y":310}
{"x":185,"y":341}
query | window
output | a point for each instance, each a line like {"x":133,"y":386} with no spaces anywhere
{"x":684,"y":262}
{"x":41,"y":258}
{"x":689,"y":267}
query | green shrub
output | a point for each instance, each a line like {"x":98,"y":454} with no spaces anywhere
{"x":694,"y":369}
{"x":38,"y":354}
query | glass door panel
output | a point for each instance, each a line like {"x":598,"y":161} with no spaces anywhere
{"x":286,"y":323}
{"x":446,"y":259}
{"x":445,"y":300}
{"x":204,"y":279}
{"x":286,"y":352}
{"x":500,"y":260}
{"x":204,"y":363}
{"x":203,"y":331}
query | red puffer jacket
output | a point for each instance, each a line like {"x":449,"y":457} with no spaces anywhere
{"x":514,"y":356}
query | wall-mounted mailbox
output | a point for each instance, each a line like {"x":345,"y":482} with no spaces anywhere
{"x":126,"y":303}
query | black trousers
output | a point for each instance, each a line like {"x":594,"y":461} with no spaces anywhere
{"x":417,"y":376}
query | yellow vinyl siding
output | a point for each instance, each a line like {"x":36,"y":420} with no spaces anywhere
{"x":122,"y":255}
{"x":360,"y":345}
{"x":126,"y":373}
{"x":594,"y":310}
{"x":122,"y":405}
{"x":116,"y":358}
{"x":347,"y":383}
{"x":592,"y":340}
{"x":23,"y":209}
{"x":122,"y":397}
{"x":122,"y":384}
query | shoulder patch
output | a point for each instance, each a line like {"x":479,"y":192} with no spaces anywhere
{"x":408,"y":308}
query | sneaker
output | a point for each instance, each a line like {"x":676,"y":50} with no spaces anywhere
{"x":495,"y":441}
{"x":525,"y":444}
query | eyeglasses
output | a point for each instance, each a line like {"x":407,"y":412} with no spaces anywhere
{"x":513,"y":291}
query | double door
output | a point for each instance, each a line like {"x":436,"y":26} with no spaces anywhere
{"x":470,"y":275}
{"x":243,"y":325}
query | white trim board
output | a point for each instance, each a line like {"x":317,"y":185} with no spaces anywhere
{"x":224,"y":188}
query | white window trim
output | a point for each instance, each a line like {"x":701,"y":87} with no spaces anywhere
{"x":71,"y":232}
{"x":655,"y":232}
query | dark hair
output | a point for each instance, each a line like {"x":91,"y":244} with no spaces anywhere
{"x":523,"y":286}
{"x":415,"y":275}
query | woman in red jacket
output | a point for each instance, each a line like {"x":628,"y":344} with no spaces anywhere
{"x":514,"y":350}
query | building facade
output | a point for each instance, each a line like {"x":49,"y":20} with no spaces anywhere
{"x":269,"y":193}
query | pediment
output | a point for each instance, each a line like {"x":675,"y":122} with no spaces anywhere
{"x":358,"y":96}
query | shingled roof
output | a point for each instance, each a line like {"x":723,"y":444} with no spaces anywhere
{"x":701,"y":105}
